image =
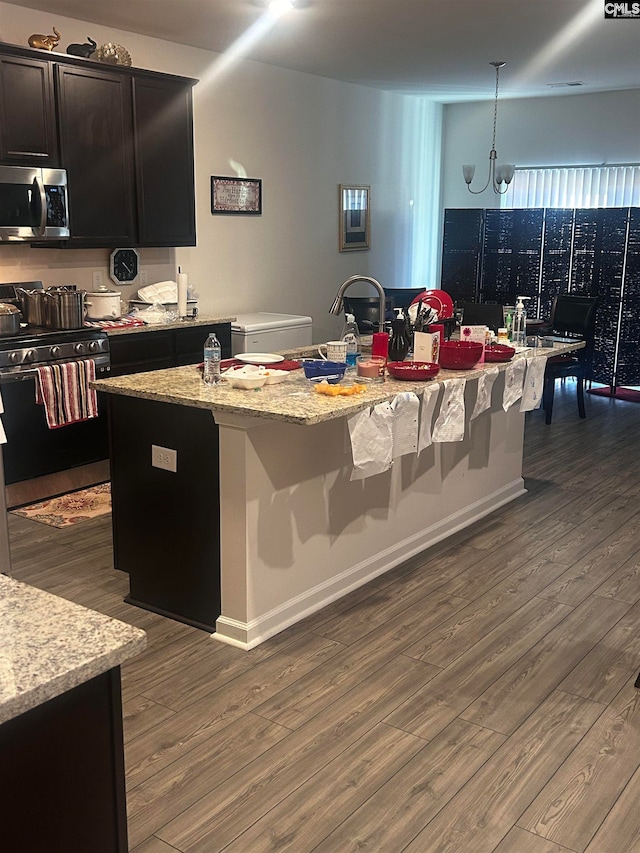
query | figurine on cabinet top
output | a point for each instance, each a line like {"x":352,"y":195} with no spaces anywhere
{"x":43,"y":42}
{"x":84,"y":50}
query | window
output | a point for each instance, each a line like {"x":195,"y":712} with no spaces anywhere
{"x":575,"y":187}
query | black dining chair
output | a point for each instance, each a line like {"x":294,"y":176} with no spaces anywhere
{"x":483,"y":314}
{"x":571,"y":317}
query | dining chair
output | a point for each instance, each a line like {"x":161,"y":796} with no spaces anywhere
{"x":571,"y":317}
{"x":483,"y":314}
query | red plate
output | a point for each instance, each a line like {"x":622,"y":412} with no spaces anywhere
{"x":498,"y":352}
{"x":414,"y":371}
{"x":439,"y":300}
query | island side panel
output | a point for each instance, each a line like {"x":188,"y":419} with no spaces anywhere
{"x":297,"y":533}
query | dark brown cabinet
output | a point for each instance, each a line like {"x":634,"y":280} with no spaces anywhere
{"x":124,"y":135}
{"x":96,"y":141}
{"x":163,"y":127}
{"x":27,"y":117}
{"x":136,"y":352}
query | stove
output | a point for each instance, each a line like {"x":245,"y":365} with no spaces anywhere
{"x":36,"y":346}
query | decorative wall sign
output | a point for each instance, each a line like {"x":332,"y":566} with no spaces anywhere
{"x":236,"y":195}
{"x":354,"y":218}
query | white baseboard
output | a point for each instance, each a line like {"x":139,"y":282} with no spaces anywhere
{"x":247,"y":635}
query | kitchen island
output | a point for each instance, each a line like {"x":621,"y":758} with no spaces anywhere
{"x":62,"y":781}
{"x":262,"y":495}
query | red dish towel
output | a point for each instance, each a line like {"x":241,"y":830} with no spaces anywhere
{"x":64,"y":390}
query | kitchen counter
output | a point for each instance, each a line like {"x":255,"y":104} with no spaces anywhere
{"x":49,"y":645}
{"x":188,"y":323}
{"x":292,"y":401}
{"x":62,"y":784}
{"x":265,"y":518}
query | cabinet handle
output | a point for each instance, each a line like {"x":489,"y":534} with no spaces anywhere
{"x":43,"y":207}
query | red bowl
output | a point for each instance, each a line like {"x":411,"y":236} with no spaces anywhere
{"x":460,"y":355}
{"x":414,"y":371}
{"x":498,"y":352}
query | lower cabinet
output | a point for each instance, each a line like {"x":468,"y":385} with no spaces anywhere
{"x":62,"y":785}
{"x":166,"y":524}
{"x":137,"y":352}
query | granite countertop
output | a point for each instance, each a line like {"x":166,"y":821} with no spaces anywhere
{"x":292,"y":401}
{"x":49,"y":645}
{"x":189,"y":322}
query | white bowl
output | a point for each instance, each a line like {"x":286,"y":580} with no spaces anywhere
{"x":247,"y":377}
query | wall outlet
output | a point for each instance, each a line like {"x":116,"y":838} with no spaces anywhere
{"x":164,"y":457}
{"x":98,"y":278}
{"x":144,"y":280}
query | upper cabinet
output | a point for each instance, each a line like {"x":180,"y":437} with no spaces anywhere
{"x":124,"y":135}
{"x":28,"y":134}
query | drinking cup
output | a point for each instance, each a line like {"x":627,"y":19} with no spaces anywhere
{"x":371,"y":367}
{"x":334,"y":351}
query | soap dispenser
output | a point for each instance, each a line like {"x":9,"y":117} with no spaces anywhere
{"x":519,"y":329}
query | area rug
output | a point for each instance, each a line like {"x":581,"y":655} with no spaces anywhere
{"x":72,"y":508}
{"x":628,"y":394}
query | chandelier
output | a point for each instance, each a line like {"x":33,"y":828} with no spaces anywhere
{"x":498,"y":174}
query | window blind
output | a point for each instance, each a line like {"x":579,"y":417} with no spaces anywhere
{"x":575,"y":187}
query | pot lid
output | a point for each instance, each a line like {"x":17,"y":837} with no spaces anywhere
{"x":104,"y":291}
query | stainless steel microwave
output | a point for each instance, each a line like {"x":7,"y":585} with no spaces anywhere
{"x":33,"y":204}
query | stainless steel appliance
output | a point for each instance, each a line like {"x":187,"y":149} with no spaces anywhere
{"x":33,"y":204}
{"x":32,"y":449}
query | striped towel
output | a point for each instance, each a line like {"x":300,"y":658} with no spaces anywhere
{"x":64,"y":390}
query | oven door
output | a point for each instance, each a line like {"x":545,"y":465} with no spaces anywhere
{"x":32,"y":449}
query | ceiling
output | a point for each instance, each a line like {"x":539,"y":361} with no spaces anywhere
{"x":439,"y":48}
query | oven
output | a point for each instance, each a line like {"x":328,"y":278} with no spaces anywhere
{"x":32,"y":449}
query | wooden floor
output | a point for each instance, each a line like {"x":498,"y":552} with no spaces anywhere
{"x":478,"y":699}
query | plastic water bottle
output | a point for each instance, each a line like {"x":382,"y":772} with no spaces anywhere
{"x":212,"y":358}
{"x":351,"y":336}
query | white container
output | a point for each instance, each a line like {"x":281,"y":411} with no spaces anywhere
{"x":265,"y":332}
{"x":103,"y":305}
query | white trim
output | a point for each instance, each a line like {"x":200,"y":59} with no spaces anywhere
{"x":247,"y":635}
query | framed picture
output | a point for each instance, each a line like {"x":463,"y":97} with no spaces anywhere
{"x":236,"y":195}
{"x":355,"y":220}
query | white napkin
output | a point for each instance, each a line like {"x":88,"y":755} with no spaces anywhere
{"x":405,"y":423}
{"x":3,"y":436}
{"x":371,"y":441}
{"x":513,"y":379}
{"x":450,"y":423}
{"x":427,"y":408}
{"x":485,"y":387}
{"x":533,"y":382}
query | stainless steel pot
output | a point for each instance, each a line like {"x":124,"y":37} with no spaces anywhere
{"x":33,"y":306}
{"x":9,"y":319}
{"x":64,"y":309}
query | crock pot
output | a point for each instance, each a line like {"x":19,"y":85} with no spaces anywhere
{"x":103,"y":304}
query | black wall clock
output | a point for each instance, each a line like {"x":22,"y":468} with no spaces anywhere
{"x":124,"y":265}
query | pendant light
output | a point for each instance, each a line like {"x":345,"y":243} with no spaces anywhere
{"x":498,"y":174}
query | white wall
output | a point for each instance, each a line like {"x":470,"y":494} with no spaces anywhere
{"x":562,"y":130}
{"x":302,"y":135}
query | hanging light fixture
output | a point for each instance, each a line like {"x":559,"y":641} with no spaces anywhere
{"x":498,"y":174}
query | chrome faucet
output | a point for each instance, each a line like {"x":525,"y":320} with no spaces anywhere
{"x":338,"y":303}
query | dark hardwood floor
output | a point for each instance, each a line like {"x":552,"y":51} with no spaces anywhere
{"x":479,"y":698}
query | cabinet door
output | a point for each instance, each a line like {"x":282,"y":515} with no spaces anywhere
{"x":27,"y":119}
{"x":163,"y":124}
{"x":96,"y":147}
{"x":190,"y":342}
{"x":141,"y":351}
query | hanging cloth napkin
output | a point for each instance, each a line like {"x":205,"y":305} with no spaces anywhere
{"x":513,"y":380}
{"x":449,"y":425}
{"x":427,"y":408}
{"x":533,"y":381}
{"x":485,"y":387}
{"x":405,"y":407}
{"x":371,"y":436}
{"x":64,"y":390}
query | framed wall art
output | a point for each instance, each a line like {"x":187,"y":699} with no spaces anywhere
{"x":236,"y":195}
{"x":355,"y":218}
